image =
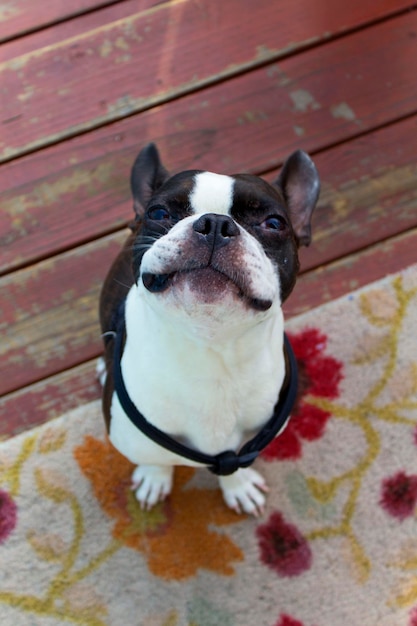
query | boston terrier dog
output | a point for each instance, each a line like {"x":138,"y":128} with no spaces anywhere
{"x":196,"y":360}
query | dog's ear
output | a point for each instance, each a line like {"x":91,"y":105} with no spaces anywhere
{"x":300,"y":184}
{"x":147,"y":175}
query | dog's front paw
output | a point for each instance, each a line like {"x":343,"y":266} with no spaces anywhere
{"x":244,"y":491}
{"x":151,"y":483}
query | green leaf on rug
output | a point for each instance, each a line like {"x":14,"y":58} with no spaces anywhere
{"x":304,"y":501}
{"x":203,"y":613}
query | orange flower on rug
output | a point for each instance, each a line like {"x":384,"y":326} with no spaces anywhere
{"x":175,"y":535}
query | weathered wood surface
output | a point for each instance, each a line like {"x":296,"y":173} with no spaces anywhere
{"x":233,"y":99}
{"x":50,"y":309}
{"x":351,"y":272}
{"x":78,"y":190}
{"x":68,"y":28}
{"x":126,"y":66}
{"x":49,"y":313}
{"x":18,"y":17}
{"x":48,"y":398}
{"x":368,"y":194}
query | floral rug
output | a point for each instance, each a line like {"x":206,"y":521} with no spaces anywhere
{"x":337,"y":545}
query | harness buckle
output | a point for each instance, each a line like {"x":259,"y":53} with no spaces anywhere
{"x":229,"y":462}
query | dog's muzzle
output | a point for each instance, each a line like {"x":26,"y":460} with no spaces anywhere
{"x":211,"y":235}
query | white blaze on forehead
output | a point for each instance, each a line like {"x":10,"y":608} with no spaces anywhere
{"x":212,"y":193}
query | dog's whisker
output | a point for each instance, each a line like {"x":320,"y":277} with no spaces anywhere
{"x":142,"y":245}
{"x":142,"y":241}
{"x":141,"y":248}
{"x":119,"y":282}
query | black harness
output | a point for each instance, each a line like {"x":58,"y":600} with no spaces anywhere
{"x":226,"y":462}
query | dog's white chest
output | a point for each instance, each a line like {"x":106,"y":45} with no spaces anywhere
{"x":208,"y":396}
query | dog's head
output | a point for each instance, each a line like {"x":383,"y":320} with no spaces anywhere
{"x":224,"y":241}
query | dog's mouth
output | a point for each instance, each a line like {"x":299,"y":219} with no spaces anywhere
{"x":208,"y":282}
{"x":156,"y":283}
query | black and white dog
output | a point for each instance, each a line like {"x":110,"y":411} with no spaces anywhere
{"x":195,"y":350}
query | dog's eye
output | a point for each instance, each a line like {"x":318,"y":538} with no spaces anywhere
{"x":158,"y":213}
{"x":274,"y":222}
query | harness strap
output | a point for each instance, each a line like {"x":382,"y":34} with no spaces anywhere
{"x":227,"y":462}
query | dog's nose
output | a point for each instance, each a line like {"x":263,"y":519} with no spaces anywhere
{"x":218,"y":230}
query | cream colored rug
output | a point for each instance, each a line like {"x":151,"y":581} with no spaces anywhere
{"x":336,"y":547}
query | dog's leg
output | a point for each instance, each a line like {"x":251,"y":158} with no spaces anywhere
{"x":101,"y":372}
{"x":243,"y":491}
{"x":152,"y":483}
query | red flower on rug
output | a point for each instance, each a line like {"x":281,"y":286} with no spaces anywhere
{"x":287,"y":620}
{"x":282,"y":547}
{"x":399,"y":495}
{"x":8,"y":515}
{"x":318,"y":376}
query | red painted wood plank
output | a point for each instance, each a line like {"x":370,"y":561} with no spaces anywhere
{"x":18,"y":17}
{"x":124,"y":67}
{"x":368,"y":193}
{"x":112,"y":11}
{"x":352,"y":272}
{"x":53,"y":396}
{"x":49,"y":398}
{"x":49,"y":314}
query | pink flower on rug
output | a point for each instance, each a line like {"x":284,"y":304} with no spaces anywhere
{"x":282,"y":547}
{"x":399,"y":495}
{"x":8,"y":515}
{"x":413,"y":617}
{"x":318,"y":376}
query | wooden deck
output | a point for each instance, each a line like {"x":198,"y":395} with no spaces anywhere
{"x":229,"y":86}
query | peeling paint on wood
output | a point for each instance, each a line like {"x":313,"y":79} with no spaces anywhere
{"x":45,"y":193}
{"x":304,"y":101}
{"x":9,"y":10}
{"x":47,"y":399}
{"x":20,"y":16}
{"x":49,"y":214}
{"x":343,"y":111}
{"x":50,"y":311}
{"x":351,"y":272}
{"x":149,"y":52}
{"x":373,"y":208}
